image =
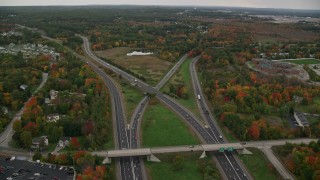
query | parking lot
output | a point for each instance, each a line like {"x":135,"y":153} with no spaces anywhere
{"x":13,"y":169}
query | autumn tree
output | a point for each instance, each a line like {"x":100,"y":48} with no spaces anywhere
{"x":26,"y":139}
{"x":254,"y":130}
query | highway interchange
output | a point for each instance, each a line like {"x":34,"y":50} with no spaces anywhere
{"x":230,"y":165}
{"x":127,"y":138}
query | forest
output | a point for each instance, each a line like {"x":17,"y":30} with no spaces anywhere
{"x":303,"y":160}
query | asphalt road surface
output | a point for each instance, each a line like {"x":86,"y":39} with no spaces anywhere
{"x":227,"y":161}
{"x":137,"y":117}
{"x":207,"y":137}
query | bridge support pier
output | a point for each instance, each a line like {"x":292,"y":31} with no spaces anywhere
{"x":203,"y":155}
{"x":153,"y":158}
{"x":106,"y":161}
{"x":244,"y":151}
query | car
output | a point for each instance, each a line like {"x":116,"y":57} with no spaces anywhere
{"x":192,"y":146}
{"x":36,"y":174}
{"x":220,"y":136}
{"x":9,"y":178}
{"x":135,"y":80}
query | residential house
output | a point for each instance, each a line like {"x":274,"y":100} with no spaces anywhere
{"x":24,"y":87}
{"x":40,"y":142}
{"x":4,"y":110}
{"x":64,"y":141}
{"x":53,"y":94}
{"x":297,"y":99}
{"x":47,"y":100}
{"x":53,"y":117}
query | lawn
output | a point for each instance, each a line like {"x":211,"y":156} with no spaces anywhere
{"x":259,"y":166}
{"x":190,"y":167}
{"x":304,"y":61}
{"x":183,"y":76}
{"x":163,"y":127}
{"x":150,"y":67}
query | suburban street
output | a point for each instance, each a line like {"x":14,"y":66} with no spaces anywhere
{"x":6,"y":135}
{"x":277,"y":164}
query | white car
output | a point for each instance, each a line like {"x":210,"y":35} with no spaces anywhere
{"x":220,"y":137}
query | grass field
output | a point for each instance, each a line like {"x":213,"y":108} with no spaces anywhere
{"x":304,"y":61}
{"x":150,"y":67}
{"x":183,"y":76}
{"x":165,"y":169}
{"x":132,"y":97}
{"x":162,"y":127}
{"x":258,"y":165}
{"x":316,"y":100}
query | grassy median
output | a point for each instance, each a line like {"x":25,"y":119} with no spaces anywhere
{"x":183,"y":76}
{"x":132,"y":97}
{"x":259,"y":166}
{"x":163,"y":127}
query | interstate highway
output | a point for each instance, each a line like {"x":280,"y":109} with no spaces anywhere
{"x":138,"y":113}
{"x":187,"y":115}
{"x":228,"y":162}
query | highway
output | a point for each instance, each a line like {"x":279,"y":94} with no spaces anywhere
{"x":121,"y":135}
{"x":228,"y":162}
{"x":183,"y":112}
{"x":208,"y":135}
{"x":138,"y":113}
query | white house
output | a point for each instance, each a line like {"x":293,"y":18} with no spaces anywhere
{"x":64,"y":141}
{"x":53,"y":117}
{"x":53,"y":94}
{"x":24,"y":87}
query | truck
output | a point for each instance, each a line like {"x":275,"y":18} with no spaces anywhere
{"x":199,"y":97}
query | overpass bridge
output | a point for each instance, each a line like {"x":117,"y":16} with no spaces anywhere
{"x":149,"y":152}
{"x":240,"y":147}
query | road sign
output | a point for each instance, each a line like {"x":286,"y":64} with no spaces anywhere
{"x":230,"y":149}
{"x":221,"y":150}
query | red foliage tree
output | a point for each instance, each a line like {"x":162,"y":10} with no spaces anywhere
{"x":74,"y":143}
{"x":254,"y":130}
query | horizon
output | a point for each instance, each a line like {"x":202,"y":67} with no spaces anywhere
{"x":259,"y":4}
{"x":148,"y":5}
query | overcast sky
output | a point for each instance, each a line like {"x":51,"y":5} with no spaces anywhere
{"x":290,"y":4}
